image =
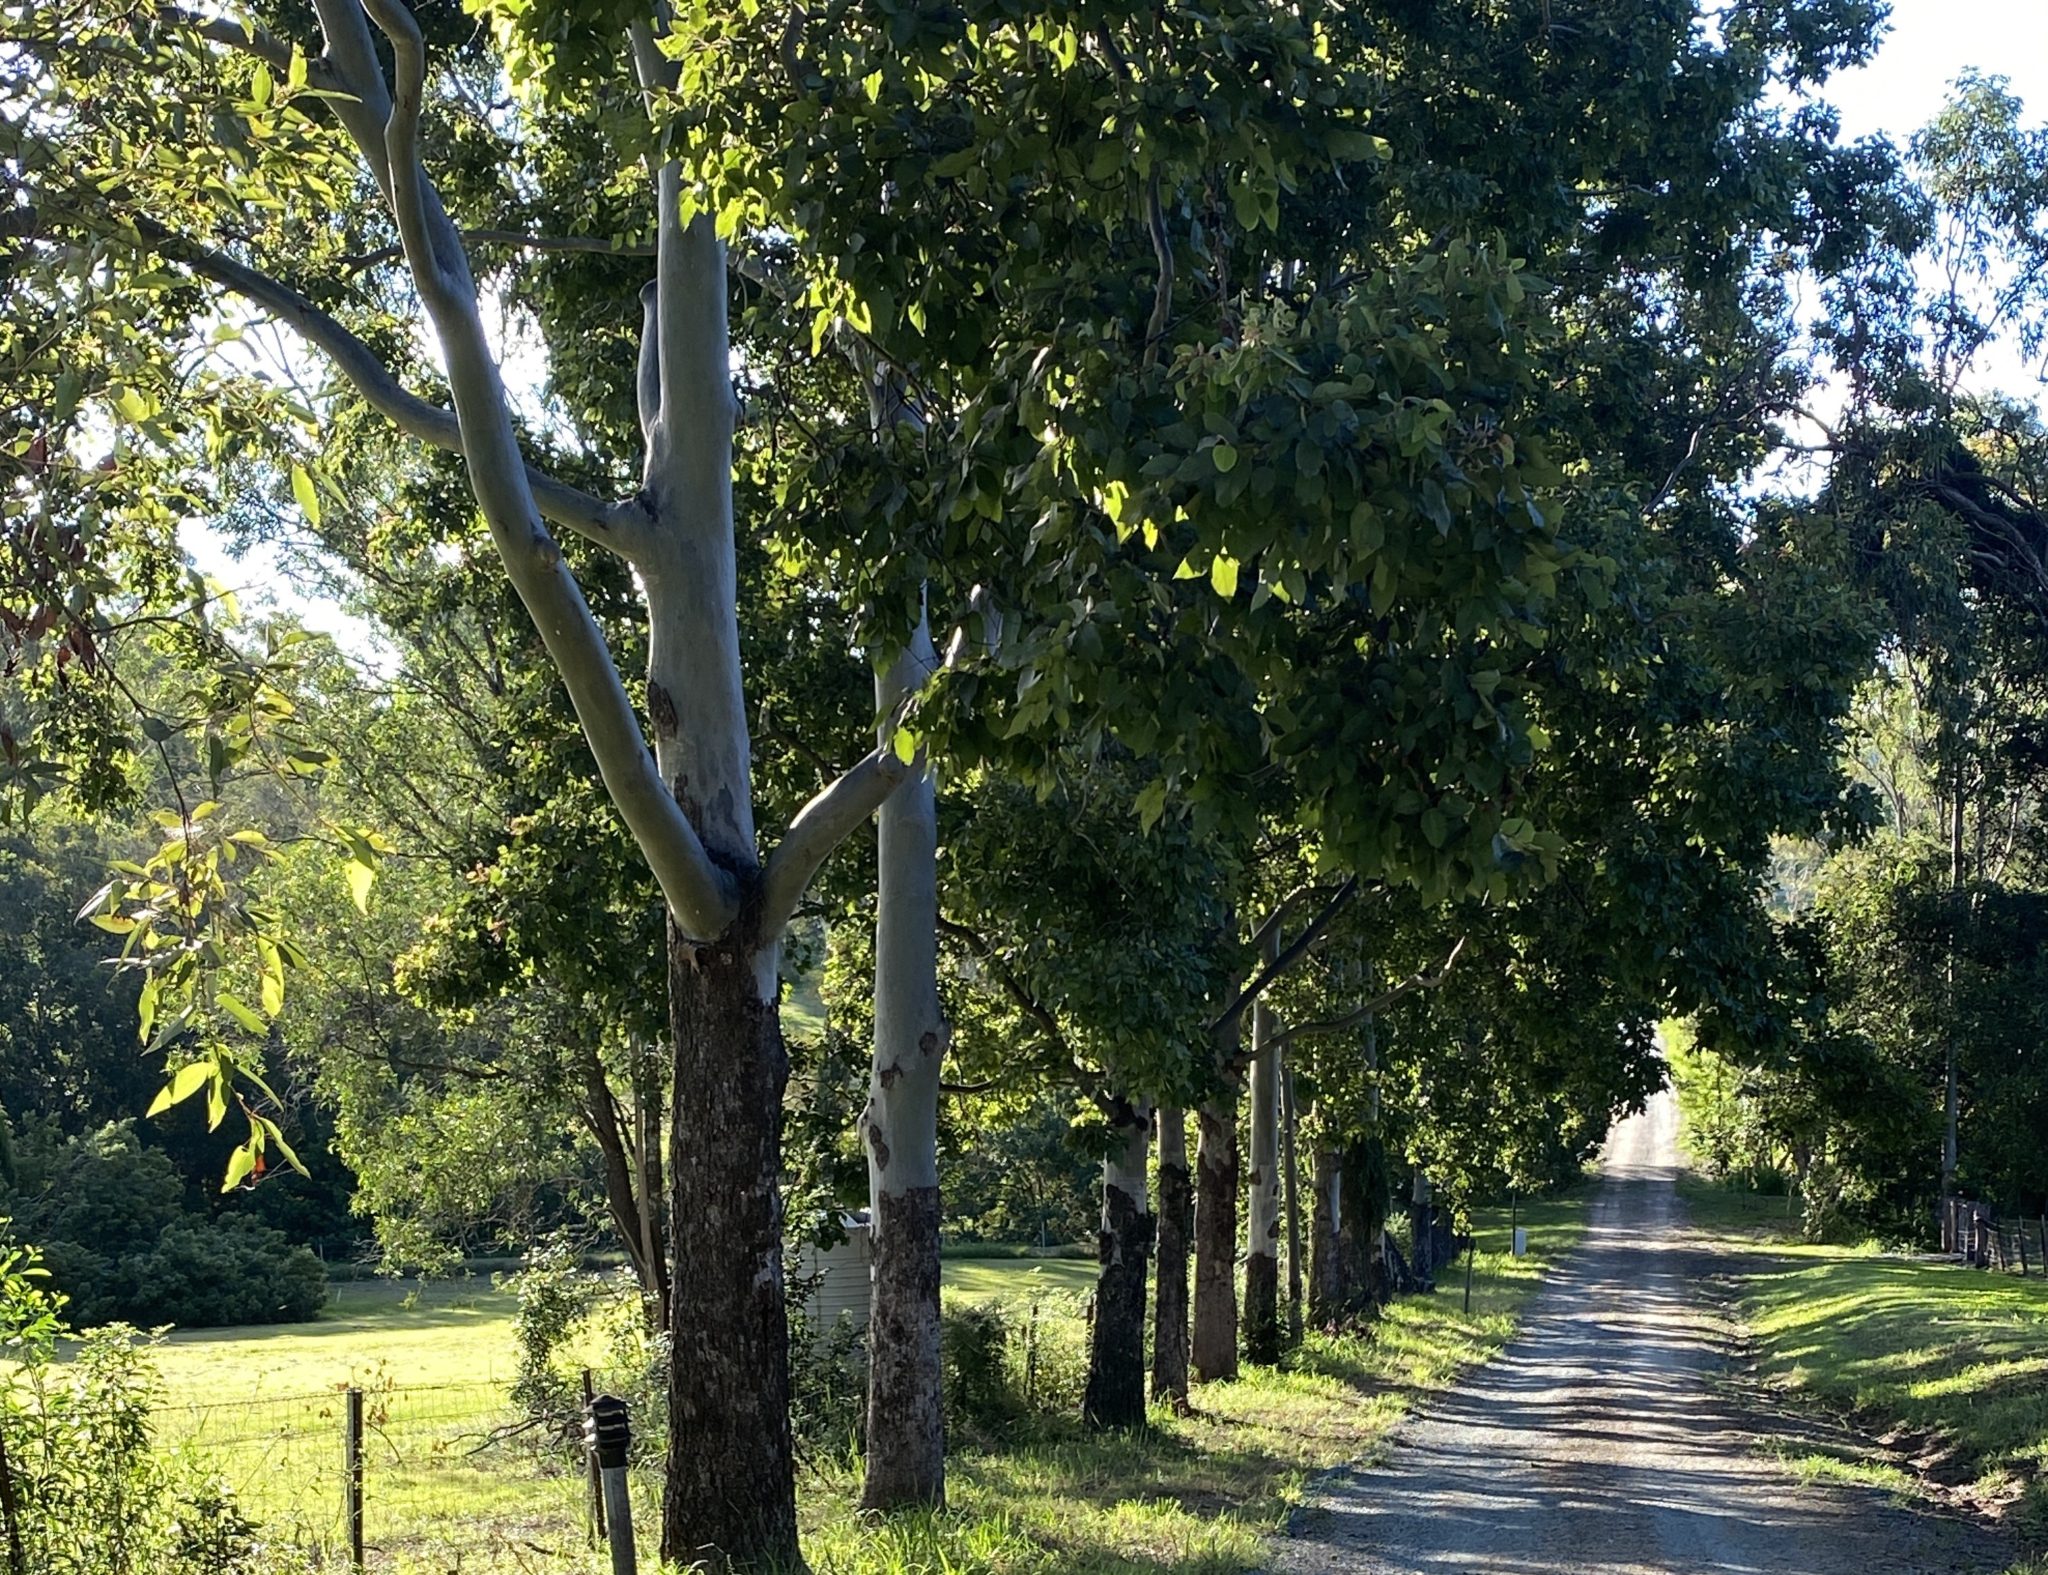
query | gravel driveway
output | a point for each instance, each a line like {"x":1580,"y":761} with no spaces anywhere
{"x":1598,"y":1443}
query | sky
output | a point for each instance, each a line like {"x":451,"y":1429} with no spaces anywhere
{"x":1928,"y":44}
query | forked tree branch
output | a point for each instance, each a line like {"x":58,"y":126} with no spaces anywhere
{"x":820,"y":826}
{"x":614,"y":525}
{"x":703,"y":896}
{"x":1289,"y":955}
{"x":1421,"y":980}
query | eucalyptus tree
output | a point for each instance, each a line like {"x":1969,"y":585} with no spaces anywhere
{"x":204,"y":161}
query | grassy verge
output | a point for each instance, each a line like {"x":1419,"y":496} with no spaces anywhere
{"x":1194,"y":1495}
{"x":1033,"y":1495}
{"x":1948,"y":1364}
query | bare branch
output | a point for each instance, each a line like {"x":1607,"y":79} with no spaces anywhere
{"x":1379,"y":1003}
{"x":985,"y":952}
{"x":820,"y":826}
{"x":1162,"y":291}
{"x":1289,"y":955}
{"x":245,"y":37}
{"x":516,"y":240}
{"x":614,"y":525}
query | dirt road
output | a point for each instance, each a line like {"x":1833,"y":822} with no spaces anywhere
{"x":1599,"y":1444}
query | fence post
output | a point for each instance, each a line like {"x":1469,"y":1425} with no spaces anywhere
{"x":608,"y":1431}
{"x":594,"y":1508}
{"x":352,"y":1462}
{"x":2019,"y":1231}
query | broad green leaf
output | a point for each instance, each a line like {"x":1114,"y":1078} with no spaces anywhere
{"x":243,"y":1013}
{"x":307,"y":494}
{"x":186,"y":1082}
{"x":241,"y":1165}
{"x":360,"y":876}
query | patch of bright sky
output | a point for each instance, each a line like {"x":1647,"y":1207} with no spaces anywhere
{"x":262,"y":578}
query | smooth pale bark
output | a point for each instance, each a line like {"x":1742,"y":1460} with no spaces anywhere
{"x":1262,"y":1188}
{"x":688,"y":803}
{"x":1115,"y":1395}
{"x":1290,"y":1192}
{"x":906,"y":1441}
{"x":1326,"y":1276}
{"x":1212,"y":1342}
{"x":1176,"y":1226}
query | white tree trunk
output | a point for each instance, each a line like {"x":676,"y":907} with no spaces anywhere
{"x":1262,"y":1234}
{"x":1115,"y":1394}
{"x":906,"y":1452}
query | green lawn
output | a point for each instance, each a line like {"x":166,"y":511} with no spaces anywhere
{"x":1949,"y":1364}
{"x":1192,"y":1495}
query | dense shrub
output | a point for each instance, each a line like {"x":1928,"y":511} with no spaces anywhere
{"x":828,"y":1385}
{"x":108,"y":1214}
{"x":226,"y":1271}
{"x":974,"y":1346}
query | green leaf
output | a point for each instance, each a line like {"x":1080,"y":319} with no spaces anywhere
{"x":1223,"y":575}
{"x":241,"y":1165}
{"x":1151,"y":803}
{"x":360,"y":875}
{"x":307,"y":494}
{"x":1224,"y":457}
{"x":183,"y":1085}
{"x":904,"y":743}
{"x":273,"y":976}
{"x":243,"y":1013}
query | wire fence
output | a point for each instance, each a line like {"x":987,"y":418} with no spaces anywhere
{"x":438,"y":1467}
{"x":1985,"y":1238}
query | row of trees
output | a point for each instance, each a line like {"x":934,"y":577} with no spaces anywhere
{"x":1266,"y":505}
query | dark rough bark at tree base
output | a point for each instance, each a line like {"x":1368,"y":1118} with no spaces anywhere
{"x":1212,"y":1344}
{"x":730,"y":1481}
{"x":1262,"y":1309}
{"x":1363,"y":1215}
{"x":906,"y":1461}
{"x":1176,"y":1223}
{"x":1115,"y":1395}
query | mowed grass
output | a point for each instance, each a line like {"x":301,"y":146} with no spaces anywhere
{"x":1946,"y":1363}
{"x":1194,"y":1495}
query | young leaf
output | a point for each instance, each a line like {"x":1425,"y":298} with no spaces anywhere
{"x":241,"y":1165}
{"x":242,"y":1013}
{"x":186,"y":1082}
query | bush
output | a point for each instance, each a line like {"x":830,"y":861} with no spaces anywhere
{"x":974,"y":1347}
{"x":232,"y":1270}
{"x":828,"y":1385}
{"x":90,"y":1495}
{"x":109,"y":1219}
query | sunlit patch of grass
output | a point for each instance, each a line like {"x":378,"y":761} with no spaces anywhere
{"x":1928,"y":1350}
{"x":1823,"y":1465}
